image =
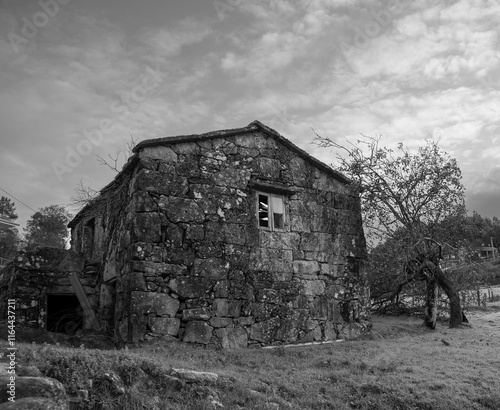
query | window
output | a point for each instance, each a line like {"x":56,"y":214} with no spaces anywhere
{"x":88,"y":238}
{"x":271,"y":211}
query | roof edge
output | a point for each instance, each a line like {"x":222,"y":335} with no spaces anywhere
{"x":7,"y":224}
{"x":324,"y":167}
{"x":253,"y":126}
{"x":194,"y":137}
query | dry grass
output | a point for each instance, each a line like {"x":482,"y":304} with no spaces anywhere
{"x":403,"y":366}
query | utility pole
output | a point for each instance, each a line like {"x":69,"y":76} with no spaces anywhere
{"x":492,"y":248}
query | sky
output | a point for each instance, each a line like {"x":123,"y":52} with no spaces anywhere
{"x":79,"y":78}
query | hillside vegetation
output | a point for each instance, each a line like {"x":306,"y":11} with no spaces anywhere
{"x":402,"y":366}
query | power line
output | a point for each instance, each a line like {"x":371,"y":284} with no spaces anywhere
{"x":12,"y":196}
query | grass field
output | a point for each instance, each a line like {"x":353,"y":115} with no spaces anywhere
{"x":402,"y":366}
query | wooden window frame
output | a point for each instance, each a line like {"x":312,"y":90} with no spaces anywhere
{"x":271,"y":226}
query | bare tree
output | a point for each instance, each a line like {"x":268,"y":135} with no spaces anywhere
{"x":406,"y":197}
{"x":115,"y":161}
{"x":85,"y":194}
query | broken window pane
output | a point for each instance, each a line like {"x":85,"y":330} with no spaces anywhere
{"x":271,"y":211}
{"x":264,"y":211}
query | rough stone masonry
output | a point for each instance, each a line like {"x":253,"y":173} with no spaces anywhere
{"x":232,"y":238}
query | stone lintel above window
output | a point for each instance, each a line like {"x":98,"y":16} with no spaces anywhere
{"x":272,"y":188}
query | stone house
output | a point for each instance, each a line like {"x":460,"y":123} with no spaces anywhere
{"x":488,"y":252}
{"x":232,"y":238}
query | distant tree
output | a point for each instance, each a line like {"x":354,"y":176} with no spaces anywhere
{"x":9,"y":243}
{"x":484,"y":230}
{"x":9,"y":238}
{"x":48,"y":227}
{"x":406,"y":198}
{"x":7,"y":208}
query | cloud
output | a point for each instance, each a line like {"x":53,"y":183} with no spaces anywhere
{"x":484,"y":192}
{"x":465,"y":10}
{"x":283,"y":37}
{"x":168,"y":42}
{"x":430,"y":72}
{"x":273,"y":52}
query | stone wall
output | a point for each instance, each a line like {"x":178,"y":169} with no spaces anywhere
{"x":181,"y":255}
{"x":35,"y":275}
{"x":101,"y":231}
{"x":202,"y":271}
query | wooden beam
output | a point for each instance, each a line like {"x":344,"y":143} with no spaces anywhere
{"x":84,"y":301}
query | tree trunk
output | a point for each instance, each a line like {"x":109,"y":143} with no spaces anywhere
{"x":456,"y":315}
{"x":431,"y":302}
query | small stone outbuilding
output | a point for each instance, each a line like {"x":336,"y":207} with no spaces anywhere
{"x":232,"y":238}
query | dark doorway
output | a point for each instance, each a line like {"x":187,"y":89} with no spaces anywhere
{"x":64,"y":314}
